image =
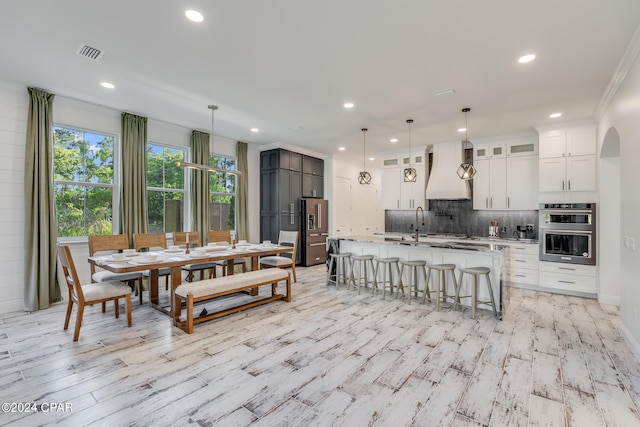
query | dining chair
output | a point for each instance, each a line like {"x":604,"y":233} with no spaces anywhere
{"x":151,"y":241}
{"x":90,"y":294}
{"x":214,"y":236}
{"x":110,"y":243}
{"x":179,"y":239}
{"x":286,"y":238}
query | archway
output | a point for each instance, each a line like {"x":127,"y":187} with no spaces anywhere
{"x":609,"y":246}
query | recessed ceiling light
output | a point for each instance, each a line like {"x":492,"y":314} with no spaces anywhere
{"x":555,"y":115}
{"x":526,"y":58}
{"x":462,"y":129}
{"x":372,"y":158}
{"x":393,"y":140}
{"x":348,"y":105}
{"x":194,"y":15}
{"x":107,"y":85}
{"x":255,"y":130}
{"x":341,"y":148}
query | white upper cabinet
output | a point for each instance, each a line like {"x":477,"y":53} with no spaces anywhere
{"x":397,"y":194}
{"x":568,"y":159}
{"x":489,"y":150}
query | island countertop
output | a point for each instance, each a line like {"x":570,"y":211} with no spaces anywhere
{"x":458,"y":244}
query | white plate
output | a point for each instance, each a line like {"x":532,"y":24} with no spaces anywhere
{"x":112,"y":259}
{"x":133,"y":254}
{"x":214,"y":248}
{"x":173,"y":251}
{"x":144,"y":261}
{"x":198,"y":256}
{"x":243,"y":244}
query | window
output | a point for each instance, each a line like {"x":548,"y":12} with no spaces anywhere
{"x":165,"y":189}
{"x":83,"y":180}
{"x":222,"y":189}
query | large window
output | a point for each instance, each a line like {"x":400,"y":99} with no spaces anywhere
{"x":222,"y":188}
{"x":83,"y":179}
{"x":165,"y":189}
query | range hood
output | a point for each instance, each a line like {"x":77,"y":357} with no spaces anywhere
{"x":443,"y":181}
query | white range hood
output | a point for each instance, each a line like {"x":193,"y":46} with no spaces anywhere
{"x":443,"y":182}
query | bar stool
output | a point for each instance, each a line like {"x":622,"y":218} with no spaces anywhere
{"x":413,"y":265}
{"x":359,"y":265}
{"x":340,"y":261}
{"x":475,"y":272}
{"x":441,"y":270}
{"x":387,"y":272}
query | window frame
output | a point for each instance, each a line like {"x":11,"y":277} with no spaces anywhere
{"x":235,"y":186}
{"x":115,"y":186}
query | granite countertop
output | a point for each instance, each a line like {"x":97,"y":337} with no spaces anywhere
{"x":459,"y":244}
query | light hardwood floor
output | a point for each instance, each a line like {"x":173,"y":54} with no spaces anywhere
{"x":330,"y":357}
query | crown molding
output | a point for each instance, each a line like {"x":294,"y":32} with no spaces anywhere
{"x":627,"y":60}
{"x":293,"y":148}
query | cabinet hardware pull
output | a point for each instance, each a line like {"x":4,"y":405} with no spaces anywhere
{"x":566,"y":268}
{"x":563,"y":185}
{"x":566,"y":281}
{"x":520,"y":275}
{"x":520,"y":260}
{"x":507,"y":201}
{"x":317,"y":244}
{"x":486,"y":202}
{"x":569,"y":184}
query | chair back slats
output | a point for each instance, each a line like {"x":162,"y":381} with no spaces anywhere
{"x":109,"y":242}
{"x":149,"y":241}
{"x":70,"y":273}
{"x":219,"y":236}
{"x":289,"y":238}
{"x":180,"y":238}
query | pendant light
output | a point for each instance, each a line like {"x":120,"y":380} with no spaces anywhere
{"x":364,"y":177}
{"x":466,"y":171}
{"x":208,"y":168}
{"x":410,"y":174}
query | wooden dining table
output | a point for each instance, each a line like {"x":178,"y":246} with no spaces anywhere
{"x":176,"y":259}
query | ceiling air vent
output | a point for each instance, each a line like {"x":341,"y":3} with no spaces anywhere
{"x":90,"y":52}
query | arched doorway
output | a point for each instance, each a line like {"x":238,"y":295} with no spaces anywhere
{"x":609,"y":221}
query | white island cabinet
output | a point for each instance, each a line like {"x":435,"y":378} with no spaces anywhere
{"x":478,"y":255}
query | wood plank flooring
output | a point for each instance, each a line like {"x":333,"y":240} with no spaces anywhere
{"x":329,"y":358}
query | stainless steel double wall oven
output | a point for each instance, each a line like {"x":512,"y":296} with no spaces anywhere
{"x":568,"y":233}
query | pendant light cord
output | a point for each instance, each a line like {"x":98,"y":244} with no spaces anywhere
{"x":364,"y":149}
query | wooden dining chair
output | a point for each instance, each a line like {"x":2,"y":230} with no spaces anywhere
{"x":180,"y":239}
{"x":286,"y":238}
{"x":111,"y":243}
{"x":90,"y":294}
{"x":214,"y":236}
{"x":151,"y":241}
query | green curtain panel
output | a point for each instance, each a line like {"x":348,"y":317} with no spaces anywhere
{"x":134,"y":175}
{"x":242,"y":188}
{"x":41,"y":286}
{"x":200,"y":184}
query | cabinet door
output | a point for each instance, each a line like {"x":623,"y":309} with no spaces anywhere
{"x":317,"y":186}
{"x":269,"y":227}
{"x":522,"y":149}
{"x":481,"y":151}
{"x":406,"y":194}
{"x":552,"y":174}
{"x":285,"y":159}
{"x":522,"y":183}
{"x":285,"y":190}
{"x":270,"y":159}
{"x":481,"y":189}
{"x":342,"y":209}
{"x":269,"y":195}
{"x":312,"y":165}
{"x":581,"y":173}
{"x":296,"y":162}
{"x":498,"y":183}
{"x":552,"y":144}
{"x":581,"y":142}
{"x":390,"y":196}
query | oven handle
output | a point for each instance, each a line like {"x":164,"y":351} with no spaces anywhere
{"x":568,"y":211}
{"x":555,"y":230}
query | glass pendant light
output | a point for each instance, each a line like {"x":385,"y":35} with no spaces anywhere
{"x":364,"y":177}
{"x":410,"y":174}
{"x":208,"y":168}
{"x":466,"y":171}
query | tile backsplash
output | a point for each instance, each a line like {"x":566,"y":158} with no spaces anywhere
{"x":458,"y":217}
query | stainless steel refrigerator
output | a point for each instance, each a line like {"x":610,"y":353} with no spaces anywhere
{"x":315,"y":215}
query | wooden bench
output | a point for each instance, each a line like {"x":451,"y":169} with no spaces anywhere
{"x":193,"y":292}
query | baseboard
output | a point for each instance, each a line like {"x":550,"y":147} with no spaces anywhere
{"x":11,"y":306}
{"x":633,"y":344}
{"x":609,"y":299}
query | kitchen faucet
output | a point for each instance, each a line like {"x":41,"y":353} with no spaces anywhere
{"x":419,"y":208}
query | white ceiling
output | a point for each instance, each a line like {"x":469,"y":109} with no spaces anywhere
{"x":283,"y":63}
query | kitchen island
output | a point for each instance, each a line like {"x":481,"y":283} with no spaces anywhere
{"x":461,"y":253}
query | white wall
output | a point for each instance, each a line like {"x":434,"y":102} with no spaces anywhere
{"x":13,"y":125}
{"x":622,"y":113}
{"x":13,"y":118}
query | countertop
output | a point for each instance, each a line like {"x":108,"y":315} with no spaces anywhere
{"x":457,"y":244}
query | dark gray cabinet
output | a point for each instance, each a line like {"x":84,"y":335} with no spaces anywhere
{"x":280,"y":193}
{"x":312,"y":186}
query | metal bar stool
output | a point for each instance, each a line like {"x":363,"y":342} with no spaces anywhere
{"x":441,"y":290}
{"x":475,"y":272}
{"x":359,"y":265}
{"x":387,"y":275}
{"x":413,"y":265}
{"x":340,"y":261}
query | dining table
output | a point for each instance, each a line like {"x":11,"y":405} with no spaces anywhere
{"x":175,"y":259}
